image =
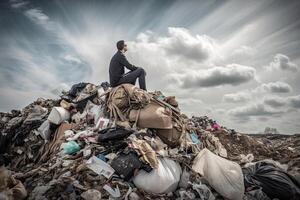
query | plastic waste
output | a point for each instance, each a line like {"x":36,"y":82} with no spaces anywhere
{"x":102,"y":157}
{"x":37,"y":113}
{"x":184,"y":179}
{"x":203,"y":191}
{"x":275,"y":182}
{"x":256,"y":194}
{"x":187,"y":194}
{"x":91,"y":194}
{"x":162,"y":180}
{"x":125,"y":165}
{"x":101,"y":123}
{"x":146,"y":151}
{"x":58,"y":115}
{"x":115,"y":193}
{"x":81,"y":134}
{"x":115,"y":133}
{"x":66,"y":105}
{"x":44,"y":130}
{"x":100,"y":167}
{"x":223,"y":175}
{"x":195,"y":138}
{"x":247,"y":159}
{"x":70,"y":147}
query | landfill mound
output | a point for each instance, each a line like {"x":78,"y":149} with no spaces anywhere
{"x":98,"y":142}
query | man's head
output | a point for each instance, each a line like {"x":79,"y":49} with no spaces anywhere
{"x":121,"y":46}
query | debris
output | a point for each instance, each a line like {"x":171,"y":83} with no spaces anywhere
{"x":146,"y":151}
{"x":224,"y":176}
{"x":101,"y":123}
{"x":256,"y":194}
{"x":203,"y":191}
{"x":247,"y":159}
{"x":113,"y":192}
{"x":58,"y":115}
{"x":91,"y":194}
{"x":100,"y":167}
{"x":162,"y":180}
{"x":44,"y":130}
{"x":152,"y":116}
{"x":275,"y":182}
{"x":10,"y":187}
{"x":195,"y":138}
{"x":146,"y":140}
{"x":115,"y":133}
{"x":184,"y":179}
{"x":126,"y":164}
{"x":37,"y":113}
{"x":70,"y":147}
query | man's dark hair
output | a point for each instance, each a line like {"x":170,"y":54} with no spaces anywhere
{"x":120,"y":44}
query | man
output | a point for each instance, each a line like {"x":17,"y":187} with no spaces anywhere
{"x":116,"y":69}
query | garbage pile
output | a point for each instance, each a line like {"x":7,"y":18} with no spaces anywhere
{"x":98,"y":142}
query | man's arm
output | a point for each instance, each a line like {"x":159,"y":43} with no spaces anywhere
{"x":124,"y":61}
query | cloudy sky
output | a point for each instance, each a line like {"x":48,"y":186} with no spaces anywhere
{"x":235,"y":61}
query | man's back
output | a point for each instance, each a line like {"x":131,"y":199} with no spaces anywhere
{"x":116,"y":69}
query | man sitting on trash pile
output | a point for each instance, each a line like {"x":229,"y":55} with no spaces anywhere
{"x":116,"y":69}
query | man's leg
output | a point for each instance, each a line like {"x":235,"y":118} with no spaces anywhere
{"x":142,"y":79}
{"x":131,"y":77}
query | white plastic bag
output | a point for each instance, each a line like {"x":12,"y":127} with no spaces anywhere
{"x":162,"y":180}
{"x":224,"y":176}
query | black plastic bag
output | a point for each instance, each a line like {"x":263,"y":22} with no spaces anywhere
{"x":77,"y":88}
{"x":126,"y":164}
{"x":112,"y":134}
{"x":275,"y":182}
{"x":256,"y":194}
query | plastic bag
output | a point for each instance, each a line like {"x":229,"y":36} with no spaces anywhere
{"x":256,"y":194}
{"x":162,"y":180}
{"x":125,"y":165}
{"x":113,"y":134}
{"x":44,"y":130}
{"x":70,"y":147}
{"x":224,"y":176}
{"x":275,"y":182}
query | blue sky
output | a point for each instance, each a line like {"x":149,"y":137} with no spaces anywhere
{"x":235,"y":61}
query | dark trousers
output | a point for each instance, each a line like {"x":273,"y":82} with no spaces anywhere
{"x":131,"y":77}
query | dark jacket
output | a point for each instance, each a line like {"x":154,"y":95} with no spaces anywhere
{"x":116,"y":67}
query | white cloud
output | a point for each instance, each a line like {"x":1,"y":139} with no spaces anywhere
{"x":16,"y":4}
{"x":72,"y":59}
{"x":275,"y":101}
{"x":282,"y":62}
{"x":182,"y":43}
{"x":244,"y":52}
{"x":236,"y":97}
{"x":253,"y":110}
{"x":246,"y":95}
{"x":232,"y":74}
{"x":274,"y":87}
{"x":294,"y":101}
{"x":37,"y":16}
